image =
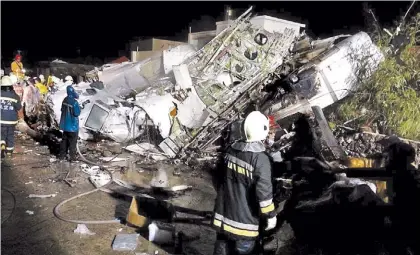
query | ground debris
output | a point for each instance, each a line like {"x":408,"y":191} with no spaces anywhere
{"x":125,"y":242}
{"x":41,"y":196}
{"x":83,"y":230}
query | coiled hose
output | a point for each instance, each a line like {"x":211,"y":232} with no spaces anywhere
{"x":56,"y":210}
{"x":57,"y":207}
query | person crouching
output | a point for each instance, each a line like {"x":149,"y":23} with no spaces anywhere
{"x":69,"y":124}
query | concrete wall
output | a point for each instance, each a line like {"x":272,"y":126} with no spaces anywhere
{"x":141,"y":55}
{"x":142,"y":45}
{"x":199,"y":39}
{"x":156,"y":46}
{"x":159,"y":44}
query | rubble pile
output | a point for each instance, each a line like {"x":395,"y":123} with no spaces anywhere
{"x":364,"y":144}
{"x":359,"y":144}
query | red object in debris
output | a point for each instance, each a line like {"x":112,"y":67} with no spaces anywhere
{"x":120,"y":60}
{"x":272,"y":121}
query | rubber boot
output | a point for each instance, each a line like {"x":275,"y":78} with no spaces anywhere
{"x":3,"y":151}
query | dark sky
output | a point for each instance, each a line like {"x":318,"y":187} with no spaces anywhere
{"x":57,"y":29}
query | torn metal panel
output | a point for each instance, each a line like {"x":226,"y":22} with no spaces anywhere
{"x":332,"y":75}
{"x":158,"y":108}
{"x":176,"y":56}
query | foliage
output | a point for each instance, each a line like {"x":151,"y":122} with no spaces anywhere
{"x":391,"y":96}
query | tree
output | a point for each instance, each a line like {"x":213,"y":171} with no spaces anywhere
{"x":390,"y":98}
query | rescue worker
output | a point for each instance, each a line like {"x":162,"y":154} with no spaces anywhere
{"x":244,"y":191}
{"x":10,"y":105}
{"x":68,"y":80}
{"x":42,"y":78}
{"x":43,"y":90}
{"x":30,"y":100}
{"x":17,"y":67}
{"x":18,"y":88}
{"x":69,"y":124}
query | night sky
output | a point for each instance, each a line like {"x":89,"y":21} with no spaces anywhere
{"x":44,"y":30}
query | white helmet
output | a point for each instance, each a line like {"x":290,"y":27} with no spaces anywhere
{"x":13,"y":78}
{"x":68,"y":78}
{"x":256,"y":127}
{"x":41,"y":77}
{"x":6,"y":81}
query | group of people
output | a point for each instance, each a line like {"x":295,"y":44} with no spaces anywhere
{"x":20,"y":97}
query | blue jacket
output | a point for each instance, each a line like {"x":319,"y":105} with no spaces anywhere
{"x":10,"y":105}
{"x":70,"y":111}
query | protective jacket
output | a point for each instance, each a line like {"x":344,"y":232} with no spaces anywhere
{"x":10,"y":105}
{"x":42,"y":88}
{"x":245,"y":193}
{"x":17,"y":68}
{"x":70,"y":111}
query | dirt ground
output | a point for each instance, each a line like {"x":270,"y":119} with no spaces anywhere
{"x":31,"y":172}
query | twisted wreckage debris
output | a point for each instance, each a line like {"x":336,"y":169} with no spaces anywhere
{"x":189,"y":97}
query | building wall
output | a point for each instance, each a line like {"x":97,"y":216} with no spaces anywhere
{"x":156,"y":47}
{"x":142,"y":45}
{"x":159,"y":44}
{"x":142,"y":55}
{"x":199,"y":39}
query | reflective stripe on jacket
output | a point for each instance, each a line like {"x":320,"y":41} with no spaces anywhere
{"x":245,"y":193}
{"x":10,"y":105}
{"x":70,"y":111}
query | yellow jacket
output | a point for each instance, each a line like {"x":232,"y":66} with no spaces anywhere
{"x":17,"y":69}
{"x":42,"y":88}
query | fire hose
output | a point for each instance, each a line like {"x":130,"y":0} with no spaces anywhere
{"x":56,"y":210}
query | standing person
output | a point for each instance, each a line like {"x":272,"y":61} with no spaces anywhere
{"x":10,"y":105}
{"x":30,"y":100}
{"x":244,"y":191}
{"x":18,"y":88}
{"x":42,"y":78}
{"x":69,"y":124}
{"x":17,"y":67}
{"x":68,"y":80}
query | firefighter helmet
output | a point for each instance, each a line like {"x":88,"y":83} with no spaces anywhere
{"x":68,"y":78}
{"x":13,"y":78}
{"x":256,"y":127}
{"x":6,"y":81}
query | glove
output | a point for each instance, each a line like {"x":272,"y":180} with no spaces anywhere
{"x":271,"y":223}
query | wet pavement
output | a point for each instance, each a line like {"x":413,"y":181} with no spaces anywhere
{"x":31,"y":172}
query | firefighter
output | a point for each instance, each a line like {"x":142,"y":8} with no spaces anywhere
{"x":42,"y":78}
{"x":18,"y":88}
{"x":68,"y":80}
{"x":10,"y":105}
{"x":17,"y":67}
{"x":69,"y":124}
{"x":244,"y":191}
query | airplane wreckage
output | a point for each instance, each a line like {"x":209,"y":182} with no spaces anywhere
{"x":189,"y":97}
